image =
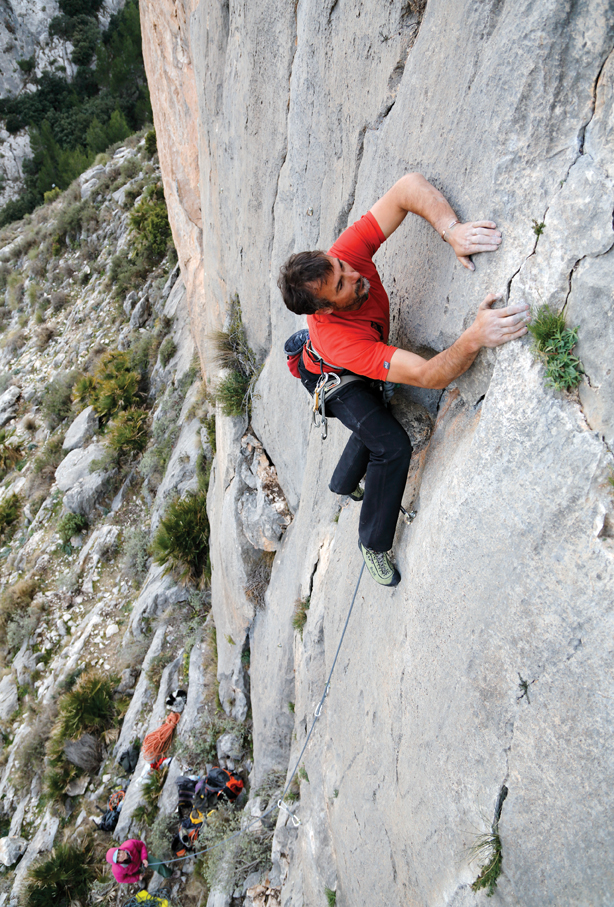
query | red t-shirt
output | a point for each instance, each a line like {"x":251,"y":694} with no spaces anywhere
{"x":356,"y":341}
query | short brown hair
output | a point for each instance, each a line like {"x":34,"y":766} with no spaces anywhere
{"x":301,"y":269}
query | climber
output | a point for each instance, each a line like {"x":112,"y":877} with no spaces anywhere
{"x":349,"y":320}
{"x":126,"y":862}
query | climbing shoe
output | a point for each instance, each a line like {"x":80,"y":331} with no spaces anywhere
{"x":380,"y":566}
{"x":358,"y":493}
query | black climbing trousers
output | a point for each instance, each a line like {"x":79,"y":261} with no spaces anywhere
{"x":378,"y":447}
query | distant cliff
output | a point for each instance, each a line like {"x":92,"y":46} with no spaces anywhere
{"x":488,"y":669}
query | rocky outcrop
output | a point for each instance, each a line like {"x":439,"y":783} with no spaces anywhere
{"x":480,"y":670}
{"x":82,"y":429}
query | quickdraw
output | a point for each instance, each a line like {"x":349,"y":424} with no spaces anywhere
{"x":327,"y":382}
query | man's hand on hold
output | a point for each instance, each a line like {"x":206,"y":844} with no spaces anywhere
{"x":494,"y":327}
{"x":469,"y":239}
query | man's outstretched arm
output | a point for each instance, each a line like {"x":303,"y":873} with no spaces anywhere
{"x":413,"y":194}
{"x":492,"y":327}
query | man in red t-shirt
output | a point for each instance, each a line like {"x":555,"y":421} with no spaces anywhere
{"x":348,"y":317}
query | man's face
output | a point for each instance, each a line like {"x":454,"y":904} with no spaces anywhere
{"x":345,"y":289}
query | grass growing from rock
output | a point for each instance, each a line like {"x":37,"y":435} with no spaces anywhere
{"x":152,"y":788}
{"x":235,"y":391}
{"x":488,"y":848}
{"x":63,"y":877}
{"x":299,"y":618}
{"x":113,"y":387}
{"x":10,"y":511}
{"x":11,"y":452}
{"x":127,"y":432}
{"x":181,"y":543}
{"x":554,"y":342}
{"x":70,"y":525}
{"x":331,"y":897}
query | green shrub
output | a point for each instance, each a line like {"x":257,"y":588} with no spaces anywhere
{"x":127,"y":432}
{"x":150,"y":227}
{"x":488,"y":847}
{"x":167,"y":351}
{"x":209,"y":423}
{"x":10,"y":511}
{"x":113,"y":386}
{"x":63,"y":877}
{"x":151,"y":145}
{"x":232,"y":351}
{"x":71,"y":524}
{"x":57,"y":397}
{"x":11,"y":452}
{"x":553,"y":342}
{"x":50,"y":457}
{"x":88,"y":708}
{"x":16,"y":600}
{"x":331,"y":897}
{"x":127,"y":273}
{"x":181,"y":543}
{"x":299,"y":618}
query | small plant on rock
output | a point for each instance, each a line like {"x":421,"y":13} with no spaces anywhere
{"x":70,"y":525}
{"x":56,"y":398}
{"x":11,"y":452}
{"x":127,"y":432}
{"x":167,"y":351}
{"x":112,"y":388}
{"x":553,"y":342}
{"x":136,"y":554}
{"x":488,"y":848}
{"x":63,"y":877}
{"x":181,"y":543}
{"x":232,"y":351}
{"x":300,"y":614}
{"x":331,"y":897}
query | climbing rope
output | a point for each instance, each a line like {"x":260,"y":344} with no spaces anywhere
{"x":280,"y":804}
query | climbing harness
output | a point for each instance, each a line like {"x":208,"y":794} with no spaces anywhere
{"x":280,"y":804}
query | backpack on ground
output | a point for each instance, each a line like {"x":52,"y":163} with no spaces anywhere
{"x":129,"y":758}
{"x":218,"y":784}
{"x":110,"y":816}
{"x":185,"y":791}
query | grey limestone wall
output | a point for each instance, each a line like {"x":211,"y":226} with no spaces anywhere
{"x":307,"y":112}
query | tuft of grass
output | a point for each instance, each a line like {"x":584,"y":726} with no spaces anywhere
{"x":167,"y":351}
{"x":63,"y":877}
{"x":299,"y":618}
{"x":181,"y":543}
{"x":258,"y":578}
{"x":10,"y":511}
{"x":71,"y":524}
{"x":331,"y":897}
{"x":113,"y":387}
{"x":302,"y":773}
{"x":11,"y":452}
{"x":56,"y":399}
{"x":488,"y":848}
{"x":156,"y":667}
{"x":553,"y":342}
{"x":127,"y":432}
{"x":235,"y":391}
{"x":291,"y":707}
{"x":88,"y":708}
{"x":538,"y":228}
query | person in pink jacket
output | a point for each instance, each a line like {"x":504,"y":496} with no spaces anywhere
{"x":126,"y":862}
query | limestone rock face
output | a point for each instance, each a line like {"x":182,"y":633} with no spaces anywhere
{"x":9,"y":700}
{"x":76,"y":465}
{"x":11,"y":849}
{"x":488,"y":665}
{"x":82,"y":429}
{"x":85,"y":753}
